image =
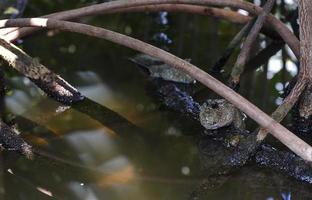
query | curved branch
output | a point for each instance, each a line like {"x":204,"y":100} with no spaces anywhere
{"x":276,"y":24}
{"x":193,"y":9}
{"x":297,"y":145}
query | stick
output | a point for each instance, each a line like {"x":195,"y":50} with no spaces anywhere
{"x":244,"y":55}
{"x":231,"y":47}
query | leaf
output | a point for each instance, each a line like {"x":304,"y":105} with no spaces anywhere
{"x":10,"y":11}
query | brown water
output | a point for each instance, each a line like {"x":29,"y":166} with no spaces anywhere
{"x":121,"y":145}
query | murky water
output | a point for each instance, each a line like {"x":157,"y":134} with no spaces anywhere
{"x":120,"y":143}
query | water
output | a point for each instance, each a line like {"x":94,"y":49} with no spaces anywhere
{"x":120,"y":144}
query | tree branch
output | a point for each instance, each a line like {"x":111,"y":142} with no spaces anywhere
{"x":52,"y":84}
{"x":282,"y":110}
{"x":304,"y":77}
{"x":244,"y":55}
{"x":297,"y":145}
{"x":236,"y":41}
{"x":193,"y":9}
{"x":277,"y":25}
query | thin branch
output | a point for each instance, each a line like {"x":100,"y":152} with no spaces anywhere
{"x":305,"y":74}
{"x":52,"y":84}
{"x":192,"y":9}
{"x":280,"y":113}
{"x":276,"y":24}
{"x":263,"y":56}
{"x":231,"y":47}
{"x":219,"y":13}
{"x":244,"y":55}
{"x":297,"y":145}
{"x":304,"y":77}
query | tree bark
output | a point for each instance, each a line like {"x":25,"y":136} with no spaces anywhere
{"x":52,"y":84}
{"x":305,"y":23}
{"x":305,"y":28}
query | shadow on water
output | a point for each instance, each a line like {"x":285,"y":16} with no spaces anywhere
{"x":120,"y":125}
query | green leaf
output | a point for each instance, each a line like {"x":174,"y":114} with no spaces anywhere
{"x":10,"y":11}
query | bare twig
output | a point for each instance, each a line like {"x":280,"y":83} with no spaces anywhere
{"x":244,"y":55}
{"x":52,"y":84}
{"x":297,"y":145}
{"x":305,"y":74}
{"x":231,"y":47}
{"x":277,"y":25}
{"x":263,"y":56}
{"x":280,"y":113}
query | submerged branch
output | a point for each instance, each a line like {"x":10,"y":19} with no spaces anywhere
{"x":297,"y":145}
{"x":276,"y":24}
{"x":52,"y":84}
